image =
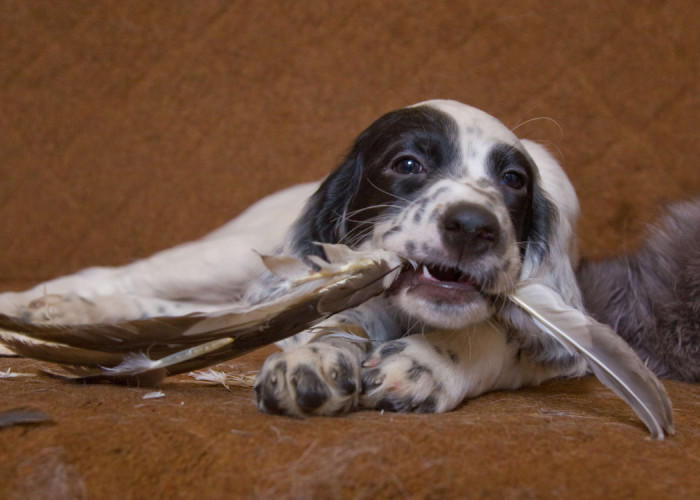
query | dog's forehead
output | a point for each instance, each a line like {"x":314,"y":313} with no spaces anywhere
{"x":479,"y":132}
{"x":473,"y":121}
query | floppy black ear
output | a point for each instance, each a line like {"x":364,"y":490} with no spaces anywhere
{"x":551,"y":254}
{"x":543,"y":218}
{"x":323,"y":217}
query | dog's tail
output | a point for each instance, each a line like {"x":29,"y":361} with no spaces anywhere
{"x":652,"y":297}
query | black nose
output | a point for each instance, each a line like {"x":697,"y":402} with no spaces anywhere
{"x":470,"y":229}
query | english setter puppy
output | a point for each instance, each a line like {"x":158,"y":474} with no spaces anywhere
{"x":446,"y":186}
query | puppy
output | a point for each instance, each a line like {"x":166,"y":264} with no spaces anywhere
{"x":451,"y":189}
{"x":444,"y":185}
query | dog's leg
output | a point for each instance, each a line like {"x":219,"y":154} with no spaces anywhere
{"x":204,"y":275}
{"x":435,"y":372}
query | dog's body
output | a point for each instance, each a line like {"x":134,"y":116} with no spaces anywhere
{"x":444,"y":185}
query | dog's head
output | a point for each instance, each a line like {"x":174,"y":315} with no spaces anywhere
{"x":452,"y":190}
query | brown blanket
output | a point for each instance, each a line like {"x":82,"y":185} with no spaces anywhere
{"x":128,"y":126}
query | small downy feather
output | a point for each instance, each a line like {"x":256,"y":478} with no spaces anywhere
{"x":135,"y":364}
{"x":610,"y":358}
{"x":287,"y":267}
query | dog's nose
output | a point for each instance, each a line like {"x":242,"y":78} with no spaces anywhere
{"x":470,"y":229}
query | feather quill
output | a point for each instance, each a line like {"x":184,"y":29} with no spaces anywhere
{"x":610,"y":358}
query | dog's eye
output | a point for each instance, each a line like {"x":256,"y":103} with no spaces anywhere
{"x":513,"y":180}
{"x":408,"y":166}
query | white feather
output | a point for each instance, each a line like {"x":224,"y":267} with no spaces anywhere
{"x":609,"y":357}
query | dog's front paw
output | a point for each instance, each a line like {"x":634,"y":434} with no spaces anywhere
{"x":314,"y":379}
{"x":409,"y":375}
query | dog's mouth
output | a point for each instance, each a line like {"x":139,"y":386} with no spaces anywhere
{"x":450,"y":277}
{"x":438,"y":281}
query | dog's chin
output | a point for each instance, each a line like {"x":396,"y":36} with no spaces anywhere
{"x":445,"y":301}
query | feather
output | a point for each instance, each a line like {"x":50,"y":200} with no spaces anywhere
{"x":10,"y":374}
{"x":145,"y":351}
{"x":153,"y":395}
{"x":133,"y":364}
{"x":23,"y":416}
{"x":226,"y":379}
{"x":286,"y":267}
{"x":609,"y":357}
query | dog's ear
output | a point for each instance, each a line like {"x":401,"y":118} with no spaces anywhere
{"x":551,"y":254}
{"x":323,"y":217}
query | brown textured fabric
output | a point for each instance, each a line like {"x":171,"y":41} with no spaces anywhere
{"x":127,"y":127}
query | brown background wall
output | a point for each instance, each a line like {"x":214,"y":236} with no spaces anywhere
{"x":128,"y":126}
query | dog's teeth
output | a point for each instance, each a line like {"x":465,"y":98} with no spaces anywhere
{"x":426,"y":273}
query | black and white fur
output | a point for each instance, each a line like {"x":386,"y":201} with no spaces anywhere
{"x":443,"y":184}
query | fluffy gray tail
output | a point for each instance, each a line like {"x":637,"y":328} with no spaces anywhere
{"x":652,"y":297}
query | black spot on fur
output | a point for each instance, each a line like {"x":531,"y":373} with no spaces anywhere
{"x":366,"y":178}
{"x":272,"y":404}
{"x":405,"y":404}
{"x":417,"y":371}
{"x":393,"y":230}
{"x":391,"y":348}
{"x":371,"y":379}
{"x":454,"y":357}
{"x":392,"y":404}
{"x":419,"y":211}
{"x":311,"y":391}
{"x":346,"y":375}
{"x":439,"y":192}
{"x":267,"y":389}
{"x":427,"y":406}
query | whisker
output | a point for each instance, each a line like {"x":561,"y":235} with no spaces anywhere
{"x":371,"y":207}
{"x":387,"y":192}
{"x":362,"y":229}
{"x":545,"y":118}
